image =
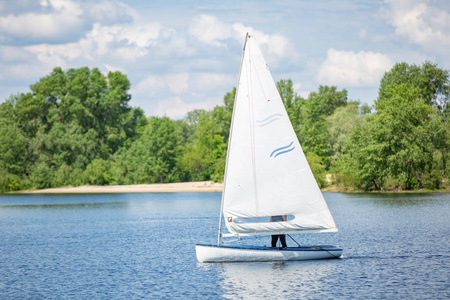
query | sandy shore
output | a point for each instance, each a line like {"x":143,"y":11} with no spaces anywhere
{"x":181,"y":187}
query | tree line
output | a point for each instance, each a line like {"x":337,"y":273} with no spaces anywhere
{"x":76,"y":127}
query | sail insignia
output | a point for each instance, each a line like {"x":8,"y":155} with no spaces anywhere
{"x":268,"y":120}
{"x":282,"y":150}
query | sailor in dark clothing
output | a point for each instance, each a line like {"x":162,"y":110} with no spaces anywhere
{"x":275,"y":237}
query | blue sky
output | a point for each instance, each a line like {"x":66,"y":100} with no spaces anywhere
{"x":184,"y":55}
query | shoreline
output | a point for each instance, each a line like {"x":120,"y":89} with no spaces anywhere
{"x":179,"y":187}
{"x":186,"y":187}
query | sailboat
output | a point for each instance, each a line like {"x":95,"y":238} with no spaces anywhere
{"x":266,"y":176}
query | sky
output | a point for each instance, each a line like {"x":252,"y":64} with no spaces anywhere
{"x":182,"y":55}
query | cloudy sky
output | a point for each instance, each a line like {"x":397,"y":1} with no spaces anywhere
{"x":185,"y":54}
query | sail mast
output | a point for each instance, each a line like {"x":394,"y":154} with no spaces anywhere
{"x":228,"y":150}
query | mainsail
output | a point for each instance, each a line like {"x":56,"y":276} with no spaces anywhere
{"x":267,"y":173}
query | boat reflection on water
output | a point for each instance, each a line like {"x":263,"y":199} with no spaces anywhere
{"x":274,"y":280}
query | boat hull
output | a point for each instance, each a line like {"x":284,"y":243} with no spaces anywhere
{"x":212,"y":253}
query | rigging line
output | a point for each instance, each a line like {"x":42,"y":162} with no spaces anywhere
{"x":335,"y":256}
{"x":294,"y":240}
{"x":262,"y":86}
{"x":321,"y":248}
{"x":252,"y":127}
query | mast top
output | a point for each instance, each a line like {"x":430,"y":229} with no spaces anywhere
{"x":246,"y":40}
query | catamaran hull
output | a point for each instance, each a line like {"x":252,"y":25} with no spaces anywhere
{"x":212,"y":253}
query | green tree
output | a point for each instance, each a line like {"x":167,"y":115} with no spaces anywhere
{"x":317,"y":168}
{"x":98,"y":172}
{"x":204,"y":159}
{"x":405,"y":144}
{"x":222,"y":115}
{"x":313,"y":130}
{"x":68,"y":120}
{"x":363,"y":164}
{"x":293,"y":103}
{"x":432,"y":83}
{"x":12,"y":148}
{"x":340,"y":125}
{"x":286,"y":89}
{"x":153,"y":156}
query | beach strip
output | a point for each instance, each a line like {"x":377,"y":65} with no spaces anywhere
{"x":179,"y":187}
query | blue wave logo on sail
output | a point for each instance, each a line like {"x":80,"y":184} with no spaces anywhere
{"x":282,"y":150}
{"x":268,"y":120}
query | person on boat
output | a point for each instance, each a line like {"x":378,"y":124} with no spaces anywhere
{"x":275,"y":237}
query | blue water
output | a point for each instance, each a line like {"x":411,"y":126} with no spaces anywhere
{"x":132,"y":246}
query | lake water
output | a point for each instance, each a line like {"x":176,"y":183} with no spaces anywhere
{"x":128,"y":246}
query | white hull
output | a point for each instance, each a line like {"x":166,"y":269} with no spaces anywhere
{"x":211,"y":253}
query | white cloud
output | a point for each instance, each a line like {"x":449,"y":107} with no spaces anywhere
{"x":50,"y":21}
{"x":174,"y":53}
{"x":178,"y":83}
{"x":135,"y":39}
{"x":176,"y":108}
{"x":206,"y":82}
{"x":13,"y":54}
{"x":142,"y":36}
{"x":43,"y":3}
{"x":274,"y":44}
{"x":126,"y":42}
{"x":422,"y":22}
{"x":110,"y":68}
{"x":209,"y":30}
{"x":128,"y":53}
{"x":349,"y":69}
{"x":149,"y":86}
{"x":63,"y":18}
{"x":109,"y":12}
{"x":58,"y":55}
{"x":102,"y":36}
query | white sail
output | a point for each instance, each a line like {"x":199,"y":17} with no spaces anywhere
{"x":267,"y":173}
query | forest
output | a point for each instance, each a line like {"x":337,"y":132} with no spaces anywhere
{"x":76,"y":127}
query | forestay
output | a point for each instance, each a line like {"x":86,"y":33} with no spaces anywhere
{"x":267,"y":173}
